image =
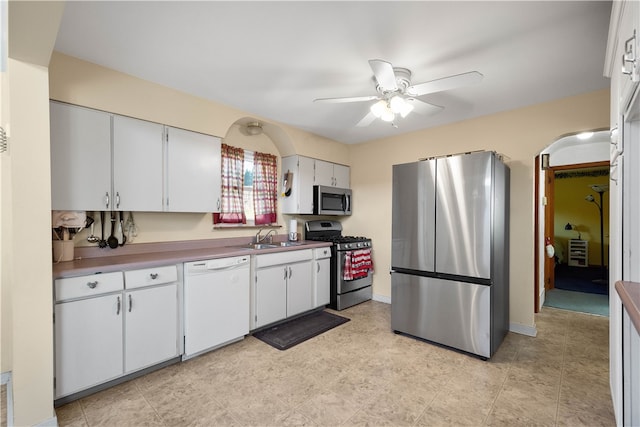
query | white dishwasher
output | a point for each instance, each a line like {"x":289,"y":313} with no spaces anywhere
{"x":216,"y":303}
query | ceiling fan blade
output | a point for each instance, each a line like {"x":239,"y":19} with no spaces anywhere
{"x":346,"y":99}
{"x":445,"y":83}
{"x":366,"y":120}
{"x":385,"y":76}
{"x":424,"y":108}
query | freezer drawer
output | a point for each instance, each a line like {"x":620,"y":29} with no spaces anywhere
{"x":447,"y":312}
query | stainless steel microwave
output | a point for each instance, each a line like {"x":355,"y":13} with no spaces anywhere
{"x":331,"y":200}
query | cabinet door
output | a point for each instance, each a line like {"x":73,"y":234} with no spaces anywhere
{"x":88,"y":343}
{"x":270,"y":295}
{"x":137,"y":165}
{"x":299,"y":288}
{"x":193,"y":172}
{"x":300,"y":201}
{"x":305,"y":185}
{"x":341,"y":175}
{"x":151,"y":332}
{"x":324,"y":173}
{"x":80,"y":158}
{"x":321,"y":282}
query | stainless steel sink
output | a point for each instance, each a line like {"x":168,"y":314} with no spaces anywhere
{"x":260,"y":246}
{"x":287,"y":244}
{"x":257,"y":246}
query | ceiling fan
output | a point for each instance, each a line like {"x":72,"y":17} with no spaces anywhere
{"x":396,"y":94}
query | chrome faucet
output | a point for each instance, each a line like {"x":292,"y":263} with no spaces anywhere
{"x":260,"y":239}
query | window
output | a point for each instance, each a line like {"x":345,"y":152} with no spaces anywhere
{"x":247,"y":195}
{"x":249,"y":187}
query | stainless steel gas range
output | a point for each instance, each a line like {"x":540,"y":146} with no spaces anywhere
{"x":351,"y":263}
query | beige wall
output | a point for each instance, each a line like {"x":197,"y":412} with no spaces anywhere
{"x":29,"y":275}
{"x":27,"y":329}
{"x":519,"y":135}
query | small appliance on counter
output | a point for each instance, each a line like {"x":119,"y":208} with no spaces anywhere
{"x":351,"y":263}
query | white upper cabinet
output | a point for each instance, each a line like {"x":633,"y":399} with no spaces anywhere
{"x":80,"y":158}
{"x":307,"y":172}
{"x":341,"y":176}
{"x":300,"y":199}
{"x":193,"y":172}
{"x":137,"y":165}
{"x":331,"y":174}
{"x":102,"y":161}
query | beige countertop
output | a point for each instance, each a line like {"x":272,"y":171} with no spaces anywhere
{"x":92,"y":260}
{"x":630,"y":295}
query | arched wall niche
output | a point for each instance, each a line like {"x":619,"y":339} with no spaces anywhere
{"x":273,"y":139}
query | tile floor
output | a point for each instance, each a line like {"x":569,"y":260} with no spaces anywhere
{"x":362,"y":374}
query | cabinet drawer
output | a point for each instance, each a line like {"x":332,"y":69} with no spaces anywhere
{"x":283,"y":258}
{"x":87,"y":286}
{"x":322,"y":253}
{"x":150,"y":276}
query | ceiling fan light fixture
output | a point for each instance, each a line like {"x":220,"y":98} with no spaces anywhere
{"x":379,"y":108}
{"x":387,"y":115}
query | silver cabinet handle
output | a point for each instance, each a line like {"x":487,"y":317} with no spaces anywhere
{"x":153,"y":276}
{"x":318,"y":267}
{"x":117,"y":200}
{"x":130,"y":303}
{"x":92,"y":285}
{"x":285,"y":272}
{"x":118,"y":309}
{"x":289,"y":272}
{"x":106,"y":199}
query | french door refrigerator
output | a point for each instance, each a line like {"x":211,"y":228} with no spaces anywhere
{"x":450,"y":253}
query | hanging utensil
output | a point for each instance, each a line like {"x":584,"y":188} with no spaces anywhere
{"x":122,"y":235}
{"x":92,"y":238}
{"x":102,"y":243}
{"x":112,"y":241}
{"x":132,"y":228}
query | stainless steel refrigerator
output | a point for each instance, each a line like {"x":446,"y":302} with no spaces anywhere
{"x":450,"y":251}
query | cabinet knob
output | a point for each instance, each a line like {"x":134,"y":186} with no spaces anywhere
{"x":92,"y":285}
{"x":154,"y":276}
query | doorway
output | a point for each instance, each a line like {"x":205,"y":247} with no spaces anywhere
{"x":572,"y":225}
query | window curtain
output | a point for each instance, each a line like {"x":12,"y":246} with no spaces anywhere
{"x":231,"y":209}
{"x":265,"y":194}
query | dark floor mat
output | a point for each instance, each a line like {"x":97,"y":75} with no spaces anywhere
{"x":295,"y":331}
{"x":581,"y":279}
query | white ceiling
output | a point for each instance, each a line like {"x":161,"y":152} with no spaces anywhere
{"x":272,"y":59}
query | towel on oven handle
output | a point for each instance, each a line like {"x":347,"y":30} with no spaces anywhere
{"x":357,"y":264}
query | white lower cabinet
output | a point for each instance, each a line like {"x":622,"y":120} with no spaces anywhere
{"x":299,"y":288}
{"x":321,"y":277}
{"x":271,"y":295}
{"x":88,"y":345}
{"x":283,"y":286}
{"x":151,"y":333}
{"x":109,"y":325}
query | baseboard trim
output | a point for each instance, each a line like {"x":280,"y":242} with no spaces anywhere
{"x":521,"y":329}
{"x":382,"y":298}
{"x":51,"y":422}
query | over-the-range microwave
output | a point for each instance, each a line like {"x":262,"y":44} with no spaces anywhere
{"x":331,"y":200}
